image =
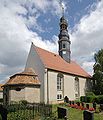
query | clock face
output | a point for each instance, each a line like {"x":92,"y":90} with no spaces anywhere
{"x":64,"y":52}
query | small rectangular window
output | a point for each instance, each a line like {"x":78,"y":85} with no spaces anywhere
{"x":63,"y":45}
{"x":59,"y":96}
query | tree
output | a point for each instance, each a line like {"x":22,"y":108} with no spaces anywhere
{"x":98,"y":73}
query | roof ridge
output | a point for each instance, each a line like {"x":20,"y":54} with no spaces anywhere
{"x":35,"y":47}
{"x":46,"y":50}
{"x":54,"y":61}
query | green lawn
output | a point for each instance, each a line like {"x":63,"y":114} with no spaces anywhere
{"x":76,"y":114}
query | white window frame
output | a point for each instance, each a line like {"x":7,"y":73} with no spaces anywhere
{"x":77,"y":87}
{"x":60,"y":83}
{"x":59,"y":96}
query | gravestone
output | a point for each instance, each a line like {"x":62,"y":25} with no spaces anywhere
{"x":73,"y":102}
{"x":78,"y":103}
{"x":70,"y":102}
{"x":82,"y":104}
{"x":3,"y":112}
{"x":88,"y":115}
{"x":101,"y":107}
{"x":66,"y":99}
{"x":94,"y":105}
{"x":62,"y":113}
{"x":87,"y":106}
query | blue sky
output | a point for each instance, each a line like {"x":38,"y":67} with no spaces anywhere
{"x":37,"y":21}
{"x":74,"y":11}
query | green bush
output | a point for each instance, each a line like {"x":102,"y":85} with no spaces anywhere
{"x":24,"y":102}
{"x":83,"y":98}
{"x":87,"y":99}
{"x":90,"y":99}
{"x":99,"y":99}
{"x":90,"y":94}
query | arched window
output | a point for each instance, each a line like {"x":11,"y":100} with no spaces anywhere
{"x":60,"y":86}
{"x":60,"y":79}
{"x":76,"y":87}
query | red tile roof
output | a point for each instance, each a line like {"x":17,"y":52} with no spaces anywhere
{"x":55,"y":62}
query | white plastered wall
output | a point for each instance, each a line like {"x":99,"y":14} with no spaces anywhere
{"x":69,"y":86}
{"x":52,"y":86}
{"x":82,"y":86}
{"x":34,"y":61}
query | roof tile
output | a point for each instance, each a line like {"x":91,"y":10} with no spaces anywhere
{"x":28,"y":76}
{"x":56,"y":62}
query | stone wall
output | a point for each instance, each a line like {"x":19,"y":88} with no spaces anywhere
{"x":34,"y":61}
{"x":1,"y":94}
{"x":32,"y":94}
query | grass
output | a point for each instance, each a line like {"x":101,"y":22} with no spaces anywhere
{"x":76,"y":114}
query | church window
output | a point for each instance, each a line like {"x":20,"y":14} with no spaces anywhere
{"x":76,"y":87}
{"x":60,"y":82}
{"x":59,"y":96}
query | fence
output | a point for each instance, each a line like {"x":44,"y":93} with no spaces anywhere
{"x":28,"y":111}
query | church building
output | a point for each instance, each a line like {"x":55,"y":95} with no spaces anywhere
{"x":57,"y":75}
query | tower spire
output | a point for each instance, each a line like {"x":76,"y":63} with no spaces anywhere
{"x":64,"y":39}
{"x":62,"y":7}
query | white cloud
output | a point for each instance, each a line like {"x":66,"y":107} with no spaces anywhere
{"x":88,"y":66}
{"x":87,"y":37}
{"x":15,"y":38}
{"x":45,"y":44}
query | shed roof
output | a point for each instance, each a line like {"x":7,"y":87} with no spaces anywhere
{"x":27,"y":77}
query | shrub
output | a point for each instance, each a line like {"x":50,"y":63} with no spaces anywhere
{"x":83,"y":98}
{"x":87,"y":99}
{"x":99,"y":99}
{"x":90,"y":99}
{"x":90,"y":94}
{"x":24,"y":102}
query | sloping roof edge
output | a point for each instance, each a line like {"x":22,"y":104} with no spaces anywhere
{"x":51,"y":64}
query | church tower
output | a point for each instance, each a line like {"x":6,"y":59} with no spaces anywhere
{"x":64,"y":40}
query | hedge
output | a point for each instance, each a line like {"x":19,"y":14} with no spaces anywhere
{"x":87,"y":99}
{"x":90,"y":94}
{"x":99,"y":99}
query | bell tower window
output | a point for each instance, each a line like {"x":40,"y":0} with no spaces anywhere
{"x":63,"y":45}
{"x":64,"y":52}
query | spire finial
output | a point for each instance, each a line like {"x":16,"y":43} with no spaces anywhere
{"x":62,"y":7}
